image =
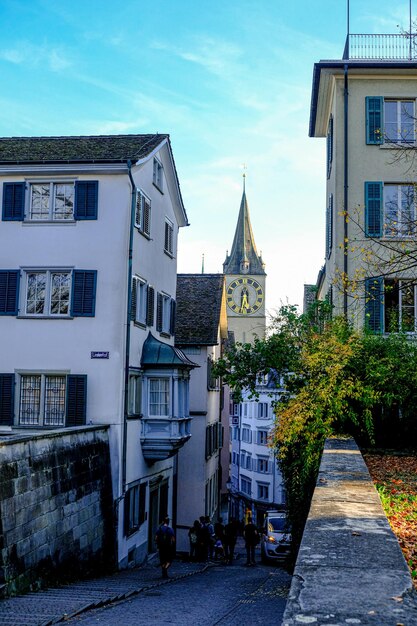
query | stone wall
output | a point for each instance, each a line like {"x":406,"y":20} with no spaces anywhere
{"x":56,"y":519}
{"x":350,"y":569}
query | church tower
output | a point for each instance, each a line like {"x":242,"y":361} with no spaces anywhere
{"x":245,"y":281}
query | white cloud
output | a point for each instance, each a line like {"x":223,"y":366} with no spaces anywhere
{"x":35,"y":56}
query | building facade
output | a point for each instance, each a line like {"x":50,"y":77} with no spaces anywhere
{"x":88,"y":242}
{"x":201,"y":332}
{"x":365,"y":106}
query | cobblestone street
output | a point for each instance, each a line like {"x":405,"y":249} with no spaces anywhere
{"x":224,"y":596}
{"x":196,"y":594}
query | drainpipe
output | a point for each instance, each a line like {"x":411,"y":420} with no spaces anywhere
{"x":129,"y":307}
{"x":345,"y":193}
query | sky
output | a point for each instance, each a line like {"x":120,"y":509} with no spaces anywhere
{"x":229,"y":81}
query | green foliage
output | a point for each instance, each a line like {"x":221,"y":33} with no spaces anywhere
{"x":337,"y":381}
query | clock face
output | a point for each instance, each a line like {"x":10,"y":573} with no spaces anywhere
{"x":244,"y":296}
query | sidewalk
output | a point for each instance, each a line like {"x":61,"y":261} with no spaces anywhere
{"x":55,"y":605}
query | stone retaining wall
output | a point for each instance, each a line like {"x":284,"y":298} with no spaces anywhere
{"x":56,"y":519}
{"x":350,"y":569}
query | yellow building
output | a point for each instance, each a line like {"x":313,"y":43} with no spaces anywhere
{"x":365,"y":106}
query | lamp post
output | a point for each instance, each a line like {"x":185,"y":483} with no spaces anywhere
{"x":229,"y":496}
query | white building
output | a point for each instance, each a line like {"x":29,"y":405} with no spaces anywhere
{"x":201,"y":332}
{"x":88,"y":247}
{"x":256,"y":481}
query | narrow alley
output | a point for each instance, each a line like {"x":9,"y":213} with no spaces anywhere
{"x":195,"y":594}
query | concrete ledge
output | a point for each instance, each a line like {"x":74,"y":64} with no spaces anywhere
{"x":350,"y":568}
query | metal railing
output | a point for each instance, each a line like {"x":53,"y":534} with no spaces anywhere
{"x":381,"y":47}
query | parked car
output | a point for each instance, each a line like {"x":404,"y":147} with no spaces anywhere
{"x":276,"y":537}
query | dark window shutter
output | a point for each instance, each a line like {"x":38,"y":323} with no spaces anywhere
{"x":138,"y":212}
{"x":329,"y":226}
{"x":86,"y":199}
{"x":134,"y":299}
{"x":126,"y":519}
{"x":76,"y":400}
{"x":159,"y":312}
{"x":374,"y":119}
{"x":374,"y":304}
{"x":13,"y":202}
{"x":83,"y":302}
{"x":172,"y":318}
{"x":146,"y":216}
{"x":150,"y":306}
{"x":9,"y":292}
{"x":373,"y":209}
{"x":6,"y":399}
{"x":142,"y":503}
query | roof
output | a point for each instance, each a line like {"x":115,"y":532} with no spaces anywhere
{"x":156,"y":353}
{"x":199,"y":309}
{"x":82,"y":149}
{"x":341,"y":65}
{"x":244,"y":253}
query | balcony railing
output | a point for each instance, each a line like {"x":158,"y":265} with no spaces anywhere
{"x":398,"y":47}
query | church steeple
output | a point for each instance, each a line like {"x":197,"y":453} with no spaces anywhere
{"x":244,"y":258}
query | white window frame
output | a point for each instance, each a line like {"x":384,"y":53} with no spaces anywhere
{"x":263,"y":465}
{"x":143,"y":212}
{"x":400,"y":305}
{"x":263,"y":487}
{"x":246,"y":433}
{"x":141,"y":300}
{"x":162,"y":387}
{"x":166,"y":314}
{"x":169,"y":237}
{"x":399,"y":226}
{"x":50,"y":209}
{"x":47,"y":308}
{"x":262,"y":410}
{"x":158,"y":174}
{"x":397,"y":137}
{"x":135,"y":393}
{"x":262,"y":435}
{"x":246,"y":485}
{"x":40,"y":398}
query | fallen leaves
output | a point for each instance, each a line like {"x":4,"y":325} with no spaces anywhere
{"x":395,"y":477}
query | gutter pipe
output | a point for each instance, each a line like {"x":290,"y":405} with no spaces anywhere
{"x":345,"y":192}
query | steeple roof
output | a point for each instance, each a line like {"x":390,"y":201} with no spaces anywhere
{"x":244,"y":258}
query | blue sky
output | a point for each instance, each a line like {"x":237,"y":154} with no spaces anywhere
{"x":229,"y":81}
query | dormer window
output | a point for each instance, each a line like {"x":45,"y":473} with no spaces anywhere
{"x":158,"y":171}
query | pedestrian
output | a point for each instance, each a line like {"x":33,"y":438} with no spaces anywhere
{"x":212,"y":541}
{"x":251,"y":536}
{"x":230,"y":537}
{"x":204,"y":540}
{"x":193,"y":537}
{"x":165,"y":540}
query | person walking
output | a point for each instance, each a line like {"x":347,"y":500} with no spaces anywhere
{"x":193,"y":535}
{"x":251,"y":536}
{"x":165,"y":541}
{"x":204,"y":540}
{"x":230,"y":538}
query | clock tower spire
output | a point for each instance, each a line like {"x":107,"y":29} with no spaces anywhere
{"x":245,"y":275}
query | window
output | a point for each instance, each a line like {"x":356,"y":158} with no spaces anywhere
{"x":143,"y":213}
{"x":135,"y":508}
{"x":56,"y":293}
{"x":246,"y":460}
{"x":263,"y":491}
{"x":169,"y":237}
{"x":399,"y":121}
{"x":158,"y":174}
{"x":263,"y":465}
{"x":246,"y":485}
{"x":135,"y":393}
{"x":390,"y":305}
{"x":165,"y":314}
{"x":51,"y":399}
{"x":399,"y":210}
{"x":262,"y":410}
{"x":262,"y":437}
{"x":246,"y":434}
{"x":51,"y":201}
{"x":329,"y":226}
{"x":390,"y":120}
{"x":139,"y":300}
{"x":389,"y":210}
{"x":159,"y":397}
{"x":47,"y":293}
{"x":329,"y":146}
